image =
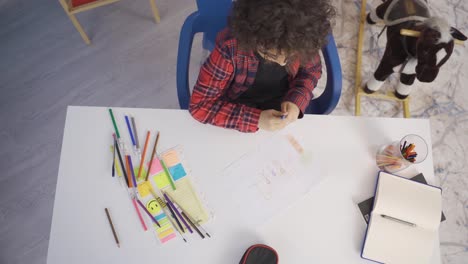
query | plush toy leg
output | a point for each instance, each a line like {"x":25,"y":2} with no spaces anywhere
{"x":402,"y":91}
{"x":404,"y":87}
{"x":373,"y":85}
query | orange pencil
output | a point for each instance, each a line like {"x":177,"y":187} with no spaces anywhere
{"x":143,"y":154}
{"x":129,"y":172}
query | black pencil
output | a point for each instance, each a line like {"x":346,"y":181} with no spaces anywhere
{"x":175,"y":217}
{"x":121,"y":161}
{"x":192,"y":224}
{"x":187,"y":216}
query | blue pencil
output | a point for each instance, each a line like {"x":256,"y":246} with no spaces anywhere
{"x":130,"y":130}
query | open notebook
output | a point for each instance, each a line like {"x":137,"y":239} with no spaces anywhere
{"x":404,"y":222}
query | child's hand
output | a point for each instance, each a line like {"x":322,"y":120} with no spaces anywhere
{"x":290,"y":111}
{"x":271,"y":120}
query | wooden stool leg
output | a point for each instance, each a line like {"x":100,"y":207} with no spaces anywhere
{"x":362,"y":19}
{"x":357,"y":109}
{"x":406,"y":110}
{"x":157,"y":19}
{"x":75,"y":22}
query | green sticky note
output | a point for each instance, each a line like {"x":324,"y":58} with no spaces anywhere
{"x":161,"y":180}
{"x":143,"y":173}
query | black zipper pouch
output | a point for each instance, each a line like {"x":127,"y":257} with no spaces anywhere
{"x":259,"y":254}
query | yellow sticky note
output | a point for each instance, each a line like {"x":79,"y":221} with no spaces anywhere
{"x":165,"y":233}
{"x":144,"y":189}
{"x":153,"y":207}
{"x":161,"y":180}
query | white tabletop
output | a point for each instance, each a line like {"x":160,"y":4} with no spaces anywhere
{"x":323,"y":227}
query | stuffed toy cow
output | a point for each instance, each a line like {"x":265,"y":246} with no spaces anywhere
{"x":413,"y":57}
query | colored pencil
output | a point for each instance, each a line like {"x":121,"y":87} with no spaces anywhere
{"x":135,"y":184}
{"x":177,"y":212}
{"x":404,"y":145}
{"x":193,"y":225}
{"x":130,"y":130}
{"x":121,"y":162}
{"x":113,"y":122}
{"x":112,"y":227}
{"x":187,"y":216}
{"x":142,"y":162}
{"x":168,"y":214}
{"x":148,"y":213}
{"x":129,"y":173}
{"x":175,"y":226}
{"x":168,"y":175}
{"x":113,"y":158}
{"x":175,"y":217}
{"x":152,"y":156}
{"x":135,"y":133}
{"x":139,"y":214}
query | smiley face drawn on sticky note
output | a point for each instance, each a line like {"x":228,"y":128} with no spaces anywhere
{"x":153,"y":207}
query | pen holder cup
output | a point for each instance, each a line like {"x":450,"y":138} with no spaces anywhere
{"x":399,"y":155}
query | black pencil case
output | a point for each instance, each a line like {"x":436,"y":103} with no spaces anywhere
{"x":259,"y":254}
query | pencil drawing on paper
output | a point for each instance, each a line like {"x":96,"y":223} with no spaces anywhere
{"x":271,"y":177}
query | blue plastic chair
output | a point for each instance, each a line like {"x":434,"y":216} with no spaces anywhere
{"x":211,"y":18}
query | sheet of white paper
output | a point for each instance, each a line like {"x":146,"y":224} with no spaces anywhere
{"x":269,"y":179}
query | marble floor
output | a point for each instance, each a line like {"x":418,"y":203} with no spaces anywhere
{"x":45,"y":66}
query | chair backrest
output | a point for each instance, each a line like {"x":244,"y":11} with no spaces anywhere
{"x":210,"y":18}
{"x":215,"y":12}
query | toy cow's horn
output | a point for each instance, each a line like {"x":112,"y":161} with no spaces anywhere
{"x":458,"y":38}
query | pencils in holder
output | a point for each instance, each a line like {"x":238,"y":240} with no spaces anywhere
{"x":112,"y":227}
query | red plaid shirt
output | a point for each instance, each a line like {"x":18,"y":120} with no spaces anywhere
{"x":228,"y":72}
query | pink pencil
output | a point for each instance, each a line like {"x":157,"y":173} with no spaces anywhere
{"x":139,"y":214}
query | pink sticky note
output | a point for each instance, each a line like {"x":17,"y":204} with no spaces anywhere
{"x":156,"y":167}
{"x":169,"y":237}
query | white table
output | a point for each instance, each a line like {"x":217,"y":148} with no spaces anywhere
{"x":323,"y":227}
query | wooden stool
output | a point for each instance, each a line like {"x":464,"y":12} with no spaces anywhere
{"x":359,"y":91}
{"x":87,"y":5}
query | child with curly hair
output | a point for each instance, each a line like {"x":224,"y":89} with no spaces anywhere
{"x":264,"y":66}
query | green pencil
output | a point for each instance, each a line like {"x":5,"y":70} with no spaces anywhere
{"x":168,"y":175}
{"x":113,"y":122}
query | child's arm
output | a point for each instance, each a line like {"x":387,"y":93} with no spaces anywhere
{"x":207,"y":104}
{"x":304,"y":83}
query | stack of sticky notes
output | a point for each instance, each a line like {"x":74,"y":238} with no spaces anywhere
{"x":184,"y":194}
{"x":166,"y":232}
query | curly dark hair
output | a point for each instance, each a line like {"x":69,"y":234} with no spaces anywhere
{"x":293,"y":27}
